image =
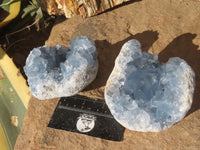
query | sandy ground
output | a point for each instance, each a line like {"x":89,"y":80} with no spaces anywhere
{"x":166,"y":27}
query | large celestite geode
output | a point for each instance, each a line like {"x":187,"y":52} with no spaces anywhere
{"x":57,"y":71}
{"x":144,"y":94}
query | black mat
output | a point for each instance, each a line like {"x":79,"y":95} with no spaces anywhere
{"x":86,"y":116}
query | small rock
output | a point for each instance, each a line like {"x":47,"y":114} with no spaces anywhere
{"x":14,"y":121}
{"x":11,"y":90}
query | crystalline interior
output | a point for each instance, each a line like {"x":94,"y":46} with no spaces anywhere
{"x":144,"y":94}
{"x":57,"y":71}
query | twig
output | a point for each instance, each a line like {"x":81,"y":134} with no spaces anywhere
{"x":8,"y":3}
{"x":27,"y":27}
{"x":14,"y":44}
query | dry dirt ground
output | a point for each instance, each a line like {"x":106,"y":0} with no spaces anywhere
{"x":166,"y":27}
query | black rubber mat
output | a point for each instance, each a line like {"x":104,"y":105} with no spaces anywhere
{"x":86,"y":116}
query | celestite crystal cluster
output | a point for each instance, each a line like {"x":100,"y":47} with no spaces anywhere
{"x":57,"y":71}
{"x":144,"y":94}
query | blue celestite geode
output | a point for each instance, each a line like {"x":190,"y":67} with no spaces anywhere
{"x":57,"y":71}
{"x":144,"y":94}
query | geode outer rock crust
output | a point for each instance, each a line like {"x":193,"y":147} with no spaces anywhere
{"x":146,"y":95}
{"x":57,"y":71}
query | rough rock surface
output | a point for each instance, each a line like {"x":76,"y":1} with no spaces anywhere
{"x":167,"y":28}
{"x":57,"y":71}
{"x":146,"y":95}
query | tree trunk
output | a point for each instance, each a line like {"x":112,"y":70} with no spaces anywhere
{"x":86,"y":8}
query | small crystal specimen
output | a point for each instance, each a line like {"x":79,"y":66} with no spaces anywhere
{"x":144,"y":94}
{"x":57,"y":71}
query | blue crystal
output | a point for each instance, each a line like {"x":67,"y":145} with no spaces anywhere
{"x":57,"y":71}
{"x":144,"y":94}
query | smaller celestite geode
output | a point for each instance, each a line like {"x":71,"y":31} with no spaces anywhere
{"x":57,"y":71}
{"x":144,"y":94}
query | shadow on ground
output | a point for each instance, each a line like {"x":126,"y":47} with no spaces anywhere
{"x":183,"y":47}
{"x":107,"y":54}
